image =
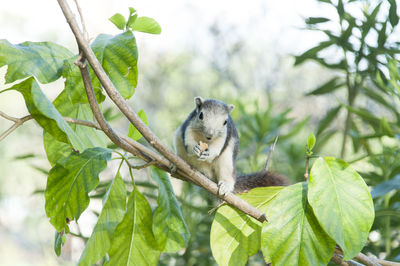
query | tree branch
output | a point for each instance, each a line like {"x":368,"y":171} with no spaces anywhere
{"x":17,"y":123}
{"x":150,"y":157}
{"x":112,"y":92}
{"x":369,"y":261}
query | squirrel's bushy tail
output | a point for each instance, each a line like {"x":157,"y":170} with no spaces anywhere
{"x":259,"y":179}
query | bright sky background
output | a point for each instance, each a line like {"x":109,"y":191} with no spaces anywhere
{"x":183,"y":22}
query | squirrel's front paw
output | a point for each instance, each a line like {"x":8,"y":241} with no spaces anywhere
{"x":201,"y":154}
{"x":225,"y":187}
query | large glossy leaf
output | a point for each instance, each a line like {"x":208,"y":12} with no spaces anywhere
{"x":342,"y":203}
{"x":235,"y":236}
{"x":293,"y":235}
{"x":74,"y":83}
{"x":44,"y":112}
{"x":44,"y":60}
{"x":169,"y":227}
{"x":118,"y":55}
{"x":55,"y":150}
{"x":89,"y":137}
{"x":114,"y":204}
{"x":69,"y":183}
{"x":133,"y":241}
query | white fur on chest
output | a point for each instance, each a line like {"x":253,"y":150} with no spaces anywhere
{"x":192,"y":137}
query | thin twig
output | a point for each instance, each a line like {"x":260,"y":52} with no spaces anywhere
{"x":138,"y":167}
{"x":216,"y":207}
{"x":271,"y":150}
{"x":82,"y":122}
{"x":82,"y":20}
{"x":113,"y":93}
{"x":155,"y":157}
{"x":17,"y":123}
{"x":14,"y":119}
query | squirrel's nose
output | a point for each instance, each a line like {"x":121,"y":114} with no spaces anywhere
{"x":209,"y":138}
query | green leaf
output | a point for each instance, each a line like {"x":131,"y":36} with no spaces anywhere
{"x":378,"y":98}
{"x":70,"y":182}
{"x":340,"y":9}
{"x":59,"y":240}
{"x":147,"y":25}
{"x":382,"y":37}
{"x":118,"y":55}
{"x":55,"y":150}
{"x":393,"y":17}
{"x":316,"y":20}
{"x":118,"y":20}
{"x":44,"y":60}
{"x":131,"y":11}
{"x":235,"y":236}
{"x":132,"y":17}
{"x":133,"y":133}
{"x":326,"y":121}
{"x":131,"y":20}
{"x":342,"y":65}
{"x":293,"y":232}
{"x":74,"y":83}
{"x":385,"y":128}
{"x":25,"y":156}
{"x":44,"y":112}
{"x":58,"y":151}
{"x":133,"y":241}
{"x":169,"y":227}
{"x":310,"y":141}
{"x":328,"y":87}
{"x":114,"y":205}
{"x":90,"y":137}
{"x":369,"y":22}
{"x":312,"y":53}
{"x":350,"y":214}
{"x":366,"y":115}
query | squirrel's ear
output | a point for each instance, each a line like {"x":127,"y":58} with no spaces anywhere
{"x":199,"y":102}
{"x":231,"y":107}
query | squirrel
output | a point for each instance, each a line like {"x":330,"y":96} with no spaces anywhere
{"x":208,"y":141}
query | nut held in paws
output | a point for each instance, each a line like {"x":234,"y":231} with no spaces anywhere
{"x":203,"y":146}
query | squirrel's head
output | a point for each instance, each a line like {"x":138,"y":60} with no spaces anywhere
{"x":212,"y":117}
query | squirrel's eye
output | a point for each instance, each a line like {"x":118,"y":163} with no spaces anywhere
{"x":226,"y":121}
{"x":201,"y":116}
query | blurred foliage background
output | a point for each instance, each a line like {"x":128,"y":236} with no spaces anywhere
{"x":333,"y":72}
